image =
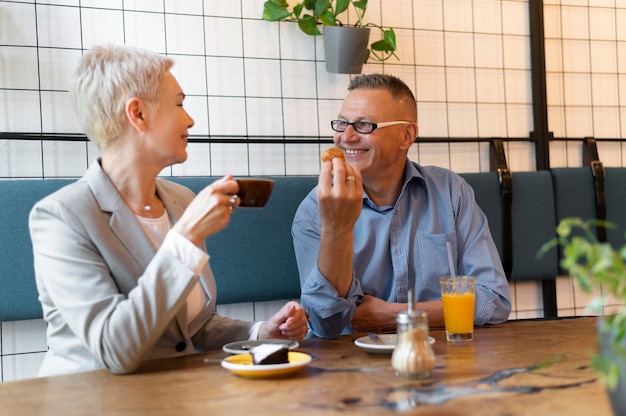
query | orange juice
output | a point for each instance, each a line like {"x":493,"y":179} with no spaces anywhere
{"x":458,"y":311}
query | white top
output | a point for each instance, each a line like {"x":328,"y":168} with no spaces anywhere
{"x":158,"y":231}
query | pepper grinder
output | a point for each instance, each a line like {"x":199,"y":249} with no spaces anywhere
{"x":413,"y":356}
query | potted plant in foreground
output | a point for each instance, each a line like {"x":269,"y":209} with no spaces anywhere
{"x":598,"y":268}
{"x":311,"y":14}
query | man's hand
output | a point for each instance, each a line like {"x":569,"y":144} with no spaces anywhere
{"x":377,"y":315}
{"x":340,"y":200}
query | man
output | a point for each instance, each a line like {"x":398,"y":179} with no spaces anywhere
{"x":378,"y":224}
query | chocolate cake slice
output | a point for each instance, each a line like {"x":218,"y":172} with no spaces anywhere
{"x":270,"y":354}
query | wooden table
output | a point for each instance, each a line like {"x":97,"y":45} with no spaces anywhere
{"x":516,"y":368}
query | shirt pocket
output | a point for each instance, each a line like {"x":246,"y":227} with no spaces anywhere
{"x":432,"y":252}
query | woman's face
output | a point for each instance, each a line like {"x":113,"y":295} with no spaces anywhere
{"x":169,"y":123}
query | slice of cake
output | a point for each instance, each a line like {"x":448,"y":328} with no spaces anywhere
{"x":270,"y":354}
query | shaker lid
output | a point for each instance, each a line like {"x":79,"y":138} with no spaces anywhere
{"x":410,"y":317}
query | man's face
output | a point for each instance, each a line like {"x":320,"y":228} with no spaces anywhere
{"x":384,"y":148}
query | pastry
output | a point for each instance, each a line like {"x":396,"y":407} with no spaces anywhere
{"x":270,"y":354}
{"x":331,"y":153}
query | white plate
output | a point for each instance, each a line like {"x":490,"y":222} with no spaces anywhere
{"x":385,"y":345}
{"x":244,"y":347}
{"x":241,"y":364}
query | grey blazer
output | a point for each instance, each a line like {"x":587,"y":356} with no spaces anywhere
{"x":109,"y":299}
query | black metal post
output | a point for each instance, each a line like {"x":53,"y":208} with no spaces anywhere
{"x":541,"y":135}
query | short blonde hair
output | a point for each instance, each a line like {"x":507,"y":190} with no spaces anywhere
{"x":106,"y":78}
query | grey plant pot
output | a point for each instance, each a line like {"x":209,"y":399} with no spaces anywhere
{"x":618,"y":395}
{"x":345,"y":48}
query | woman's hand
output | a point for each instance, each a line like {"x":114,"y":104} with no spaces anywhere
{"x":210,"y":210}
{"x":290,"y":322}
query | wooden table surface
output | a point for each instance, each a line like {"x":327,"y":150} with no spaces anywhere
{"x":517,"y":368}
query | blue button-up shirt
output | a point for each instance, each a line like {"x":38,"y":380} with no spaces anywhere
{"x":404,"y":246}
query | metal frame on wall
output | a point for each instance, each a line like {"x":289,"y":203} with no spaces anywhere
{"x":541,"y":137}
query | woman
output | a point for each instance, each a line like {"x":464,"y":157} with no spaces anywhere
{"x":120,"y":260}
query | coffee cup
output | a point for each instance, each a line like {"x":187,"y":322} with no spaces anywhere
{"x":254,"y":192}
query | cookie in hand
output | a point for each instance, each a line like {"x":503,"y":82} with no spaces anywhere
{"x":331,"y":153}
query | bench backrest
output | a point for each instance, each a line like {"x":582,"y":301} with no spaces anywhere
{"x":252,"y":258}
{"x":18,"y":292}
{"x":532,"y":220}
{"x":575,"y":194}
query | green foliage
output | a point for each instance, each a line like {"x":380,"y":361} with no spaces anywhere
{"x":596,"y":267}
{"x":310,"y":14}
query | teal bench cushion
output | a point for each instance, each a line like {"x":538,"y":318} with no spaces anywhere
{"x":253,"y":258}
{"x":615,"y":194}
{"x":18,"y":292}
{"x":574,"y":190}
{"x":574,"y":193}
{"x":533,"y":224}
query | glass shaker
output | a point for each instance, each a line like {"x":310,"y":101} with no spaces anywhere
{"x":413,"y":356}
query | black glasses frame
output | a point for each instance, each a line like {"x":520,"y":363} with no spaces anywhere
{"x":363,"y":127}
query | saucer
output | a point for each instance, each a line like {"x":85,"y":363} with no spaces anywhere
{"x":385,"y":344}
{"x":244,"y":347}
{"x":241,"y":365}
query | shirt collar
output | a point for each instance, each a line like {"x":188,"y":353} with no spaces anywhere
{"x":411,"y":173}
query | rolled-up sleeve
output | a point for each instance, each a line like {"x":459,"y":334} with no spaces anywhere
{"x":328,"y":312}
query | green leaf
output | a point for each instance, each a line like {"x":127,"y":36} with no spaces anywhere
{"x":297,"y":10}
{"x":321,"y":7}
{"x":341,"y":6}
{"x":381,"y":46}
{"x":328,"y":19}
{"x":606,"y":370}
{"x":308,"y":25}
{"x":390,"y":37}
{"x":596,"y":305}
{"x":360,"y":4}
{"x":596,"y":267}
{"x":274,"y":12}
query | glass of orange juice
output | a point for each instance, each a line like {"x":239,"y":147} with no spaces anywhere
{"x":458,"y":294}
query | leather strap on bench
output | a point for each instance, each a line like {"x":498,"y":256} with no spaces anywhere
{"x":498,"y":163}
{"x":590,"y":158}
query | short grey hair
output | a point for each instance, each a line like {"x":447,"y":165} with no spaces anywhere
{"x":396,"y":87}
{"x":106,"y":78}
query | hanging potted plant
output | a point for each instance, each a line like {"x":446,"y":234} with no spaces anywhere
{"x":346,"y":48}
{"x":598,"y":268}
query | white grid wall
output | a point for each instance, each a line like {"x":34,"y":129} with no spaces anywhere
{"x":586,"y":80}
{"x":467,"y":61}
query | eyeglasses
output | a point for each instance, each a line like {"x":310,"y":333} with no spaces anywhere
{"x":362,"y":127}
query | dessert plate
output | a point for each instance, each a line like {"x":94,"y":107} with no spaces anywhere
{"x":241,"y":365}
{"x":244,"y":347}
{"x":384,"y":345}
